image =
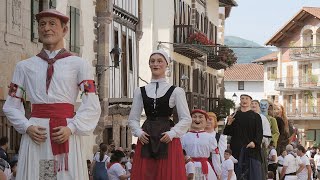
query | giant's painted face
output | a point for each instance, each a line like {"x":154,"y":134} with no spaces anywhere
{"x":264,"y":106}
{"x":199,"y":121}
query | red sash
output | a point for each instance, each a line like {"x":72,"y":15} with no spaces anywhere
{"x":203,"y":162}
{"x":57,"y":113}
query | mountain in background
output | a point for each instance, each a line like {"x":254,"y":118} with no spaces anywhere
{"x":245,"y":55}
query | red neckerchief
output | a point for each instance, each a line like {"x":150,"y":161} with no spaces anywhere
{"x":197,"y":132}
{"x":44,"y":56}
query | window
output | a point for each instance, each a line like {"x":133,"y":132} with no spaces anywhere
{"x":240,"y":85}
{"x":74,"y":44}
{"x":290,"y":99}
{"x":124,"y":76}
{"x":36,"y":7}
{"x":108,"y":135}
{"x":116,"y":44}
{"x":130,"y":55}
{"x":272,"y":73}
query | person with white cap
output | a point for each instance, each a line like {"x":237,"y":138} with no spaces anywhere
{"x":158,"y":154}
{"x":51,"y":146}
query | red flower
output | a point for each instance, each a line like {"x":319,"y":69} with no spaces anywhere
{"x":199,"y":38}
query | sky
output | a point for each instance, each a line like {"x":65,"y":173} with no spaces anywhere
{"x":259,"y":20}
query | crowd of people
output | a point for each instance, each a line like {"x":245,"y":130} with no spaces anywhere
{"x":8,"y":166}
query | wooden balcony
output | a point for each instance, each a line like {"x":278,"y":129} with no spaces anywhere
{"x":216,"y":62}
{"x":181,"y":34}
{"x":221,"y":57}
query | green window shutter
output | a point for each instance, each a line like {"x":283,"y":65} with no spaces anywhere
{"x":310,"y":135}
{"x":34,"y":23}
{"x":77,"y":35}
{"x":74,"y":44}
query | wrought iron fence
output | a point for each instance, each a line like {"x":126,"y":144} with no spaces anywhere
{"x":311,"y":80}
{"x":304,"y":52}
{"x":303,"y":111}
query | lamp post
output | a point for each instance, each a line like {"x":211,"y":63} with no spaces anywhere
{"x":183,"y":80}
{"x":116,"y":51}
{"x":101,"y":68}
{"x":234,"y":98}
{"x":115,"y":58}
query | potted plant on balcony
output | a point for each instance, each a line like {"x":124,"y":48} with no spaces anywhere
{"x":230,"y":56}
{"x":199,"y":38}
{"x":314,"y":79}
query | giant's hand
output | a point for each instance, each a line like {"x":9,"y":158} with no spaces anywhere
{"x":37,"y":133}
{"x":230,"y":120}
{"x":61,"y":134}
{"x":251,"y":145}
{"x":165,"y":138}
{"x":144,"y":138}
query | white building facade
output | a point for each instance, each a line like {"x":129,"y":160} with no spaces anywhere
{"x":244,"y":79}
{"x":298,"y":72}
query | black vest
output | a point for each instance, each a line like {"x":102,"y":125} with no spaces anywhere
{"x":158,"y":121}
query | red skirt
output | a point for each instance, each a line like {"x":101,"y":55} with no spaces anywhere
{"x":172,"y":168}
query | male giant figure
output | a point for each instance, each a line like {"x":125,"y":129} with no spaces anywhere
{"x":245,"y":129}
{"x":51,"y":146}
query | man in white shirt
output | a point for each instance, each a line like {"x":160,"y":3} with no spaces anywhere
{"x":272,"y":160}
{"x":303,"y":173}
{"x":291,"y":164}
{"x":317,"y":162}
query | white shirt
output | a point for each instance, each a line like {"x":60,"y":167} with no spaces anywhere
{"x":266,"y":129}
{"x":96,"y":157}
{"x":304,"y":173}
{"x":198,"y":144}
{"x":217,"y":159}
{"x":177,"y":99}
{"x":317,"y":160}
{"x":273,"y":152}
{"x":115,"y":171}
{"x":31,"y":75}
{"x":190,"y":168}
{"x":280,"y":160}
{"x":225,"y":167}
{"x":292,"y":163}
{"x":308,"y":153}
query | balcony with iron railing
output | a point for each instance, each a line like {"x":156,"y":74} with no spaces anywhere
{"x":303,"y":53}
{"x":192,"y":43}
{"x":305,"y":82}
{"x":303,"y":112}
